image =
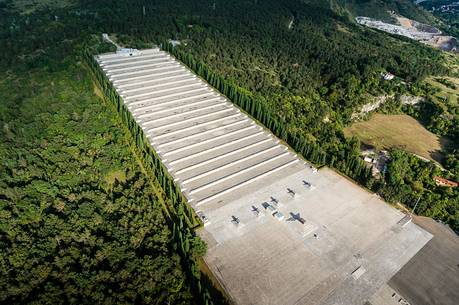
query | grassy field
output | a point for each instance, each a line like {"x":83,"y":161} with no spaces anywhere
{"x":398,"y":131}
{"x":447,"y":92}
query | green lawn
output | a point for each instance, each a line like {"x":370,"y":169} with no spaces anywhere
{"x":398,"y":131}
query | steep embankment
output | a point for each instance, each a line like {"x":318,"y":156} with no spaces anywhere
{"x":381,"y":9}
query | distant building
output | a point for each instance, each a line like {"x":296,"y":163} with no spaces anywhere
{"x":388,"y":76}
{"x":445,"y":182}
{"x":369,"y":160}
{"x":175,"y":42}
{"x":106,"y":38}
{"x":377,"y":160}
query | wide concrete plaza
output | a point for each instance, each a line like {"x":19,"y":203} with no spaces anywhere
{"x":278,"y":231}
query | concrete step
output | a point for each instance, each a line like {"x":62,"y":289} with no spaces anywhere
{"x":235,"y":169}
{"x":156,"y":88}
{"x":145,"y":76}
{"x":218,"y":145}
{"x":143,"y":66}
{"x":139,"y":84}
{"x":199,"y":134}
{"x":176,"y":105}
{"x":184,"y":110}
{"x":213,"y":193}
{"x":153,"y":70}
{"x":228,"y":161}
{"x":187,"y":118}
{"x":166,"y":94}
{"x":115,"y":56}
{"x":135,"y":61}
{"x":191,"y":126}
{"x":170,"y":150}
{"x":210,"y":147}
{"x":187,"y":96}
{"x":131,"y":59}
{"x":186,"y":168}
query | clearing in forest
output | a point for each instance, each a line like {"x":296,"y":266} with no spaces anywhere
{"x":398,"y":131}
{"x":414,"y":30}
{"x":448,"y":89}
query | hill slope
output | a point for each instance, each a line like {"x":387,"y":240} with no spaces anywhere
{"x":380,"y":9}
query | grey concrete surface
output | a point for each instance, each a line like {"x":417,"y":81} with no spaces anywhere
{"x":387,"y":296}
{"x":266,"y":261}
{"x":431,"y":277}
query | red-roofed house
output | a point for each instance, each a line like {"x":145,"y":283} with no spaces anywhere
{"x":445,"y":182}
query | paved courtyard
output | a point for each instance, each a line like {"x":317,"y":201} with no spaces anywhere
{"x":350,"y":245}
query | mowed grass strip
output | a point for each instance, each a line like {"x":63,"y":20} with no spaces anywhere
{"x":398,"y":131}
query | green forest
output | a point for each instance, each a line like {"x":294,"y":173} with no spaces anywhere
{"x":75,"y":205}
{"x":85,"y":217}
{"x":81,"y":219}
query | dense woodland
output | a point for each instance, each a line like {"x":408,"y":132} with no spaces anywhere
{"x":79,"y":221}
{"x":409,"y":179}
{"x":450,"y":16}
{"x":82,"y":222}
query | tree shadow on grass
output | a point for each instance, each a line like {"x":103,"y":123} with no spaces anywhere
{"x":446,"y":144}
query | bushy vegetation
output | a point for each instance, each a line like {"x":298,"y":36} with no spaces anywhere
{"x":440,"y":115}
{"x":382,"y":9}
{"x":79,"y":220}
{"x":410,"y":179}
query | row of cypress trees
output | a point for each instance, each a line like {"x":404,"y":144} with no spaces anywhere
{"x":258,"y":108}
{"x":182,"y":220}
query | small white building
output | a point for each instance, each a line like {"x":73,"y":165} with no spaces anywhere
{"x":369,"y":160}
{"x":175,"y":42}
{"x":388,"y":76}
